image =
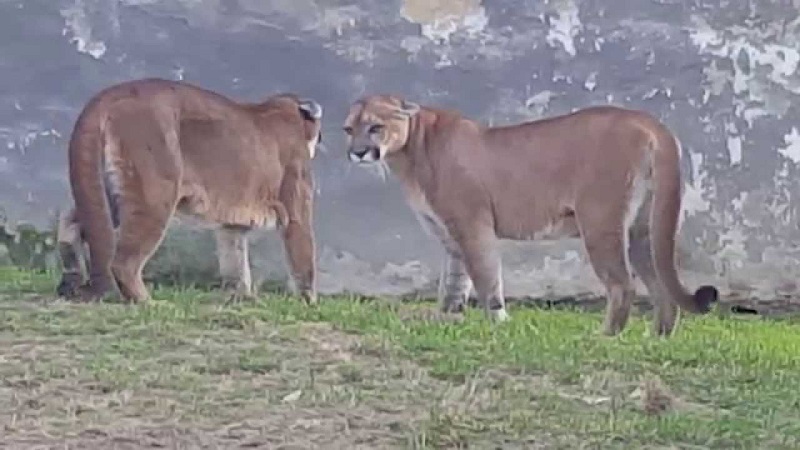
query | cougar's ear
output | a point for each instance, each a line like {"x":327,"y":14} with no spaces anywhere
{"x":409,"y":109}
{"x":311,"y":110}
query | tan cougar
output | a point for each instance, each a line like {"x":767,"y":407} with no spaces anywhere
{"x":143,"y":150}
{"x":605,"y":174}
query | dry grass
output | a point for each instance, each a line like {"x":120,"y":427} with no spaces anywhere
{"x":187,"y":371}
{"x":299,"y":385}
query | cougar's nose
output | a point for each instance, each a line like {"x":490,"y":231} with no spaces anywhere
{"x":364,"y":153}
{"x":360,"y":153}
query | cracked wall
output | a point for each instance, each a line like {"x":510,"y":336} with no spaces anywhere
{"x":722,"y":75}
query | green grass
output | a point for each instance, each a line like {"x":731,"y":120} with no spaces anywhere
{"x":389,"y":375}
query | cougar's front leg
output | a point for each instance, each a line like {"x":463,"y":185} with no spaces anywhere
{"x":454,"y":281}
{"x":483,"y":264}
{"x":234,"y":262}
{"x":296,"y":194}
{"x":454,"y":284}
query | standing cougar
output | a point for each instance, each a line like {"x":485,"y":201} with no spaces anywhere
{"x":143,"y":150}
{"x":605,"y":174}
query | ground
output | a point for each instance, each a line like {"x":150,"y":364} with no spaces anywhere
{"x":188,"y":371}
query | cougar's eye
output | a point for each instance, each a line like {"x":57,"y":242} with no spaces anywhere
{"x":348,"y":129}
{"x":377,"y":128}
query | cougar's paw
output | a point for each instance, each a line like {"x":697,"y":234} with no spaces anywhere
{"x":453,"y":306}
{"x":70,"y":285}
{"x":87,"y":293}
{"x":309,"y":297}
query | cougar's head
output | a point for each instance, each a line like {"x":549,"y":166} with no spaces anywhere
{"x":378,"y":126}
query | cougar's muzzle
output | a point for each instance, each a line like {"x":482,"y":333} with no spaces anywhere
{"x":364,"y":154}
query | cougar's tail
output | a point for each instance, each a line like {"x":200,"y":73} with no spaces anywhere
{"x":86,"y":156}
{"x":664,"y":223}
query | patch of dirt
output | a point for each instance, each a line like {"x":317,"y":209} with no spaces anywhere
{"x":310,"y":387}
{"x":224,"y":380}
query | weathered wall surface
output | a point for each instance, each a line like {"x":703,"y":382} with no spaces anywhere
{"x":722,"y":74}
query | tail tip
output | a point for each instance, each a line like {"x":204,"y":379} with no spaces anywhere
{"x":704,"y":297}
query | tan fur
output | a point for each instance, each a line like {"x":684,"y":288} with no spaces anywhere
{"x":607,"y":175}
{"x":166,"y":147}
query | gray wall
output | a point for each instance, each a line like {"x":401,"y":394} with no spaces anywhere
{"x":722,"y":74}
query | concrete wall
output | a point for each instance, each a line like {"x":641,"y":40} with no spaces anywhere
{"x":722,"y":74}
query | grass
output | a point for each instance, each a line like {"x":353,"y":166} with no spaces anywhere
{"x":185,"y":371}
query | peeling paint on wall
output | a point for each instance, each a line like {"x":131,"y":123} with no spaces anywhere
{"x":78,"y":27}
{"x":564,"y":25}
{"x":791,"y":148}
{"x":757,"y":57}
{"x":441,"y":18}
{"x":724,"y":79}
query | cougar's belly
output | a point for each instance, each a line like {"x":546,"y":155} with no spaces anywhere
{"x":534,"y":225}
{"x":225,"y":207}
{"x":521,"y":225}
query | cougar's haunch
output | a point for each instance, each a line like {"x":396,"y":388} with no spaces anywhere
{"x":144,"y":150}
{"x":607,"y":175}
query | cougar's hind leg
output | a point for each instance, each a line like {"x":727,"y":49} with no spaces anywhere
{"x":70,"y":250}
{"x":666,"y":314}
{"x":607,"y":256}
{"x":149,"y":195}
{"x":296,"y":199}
{"x":605,"y":240}
{"x":142,"y":228}
{"x":299,"y":247}
{"x":234,"y":264}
